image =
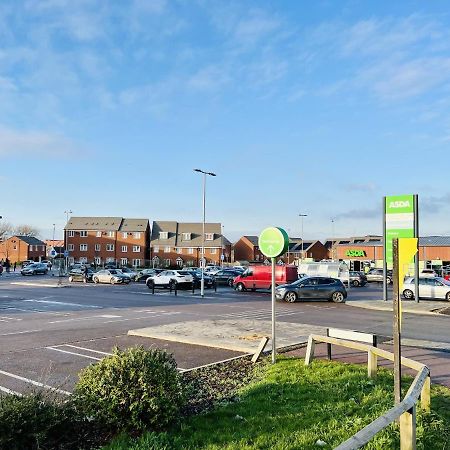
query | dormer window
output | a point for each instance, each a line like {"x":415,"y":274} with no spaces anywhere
{"x":209,"y":236}
{"x":186,"y":236}
{"x":164,"y":235}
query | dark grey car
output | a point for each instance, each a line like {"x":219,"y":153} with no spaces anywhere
{"x":312,"y":288}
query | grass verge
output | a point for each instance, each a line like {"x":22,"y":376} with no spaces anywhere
{"x":292,"y":406}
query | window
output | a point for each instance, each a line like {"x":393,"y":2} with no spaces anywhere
{"x":70,"y":247}
{"x":124,"y":235}
{"x":110,"y":233}
{"x":200,"y":250}
{"x":136,"y":248}
{"x":71,"y":260}
{"x":179,"y":250}
{"x":190,"y":251}
{"x":98,"y":234}
{"x":185,"y":236}
{"x":167,"y":249}
{"x":213,"y":251}
{"x":98,"y":260}
{"x":83,"y":247}
{"x":167,"y":262}
{"x":123,"y":261}
{"x":83,"y":233}
{"x":110,"y":260}
{"x":156,"y":249}
{"x":15,"y":247}
{"x":83,"y":259}
{"x":137,"y":235}
{"x":97,"y":247}
{"x":209,"y":236}
{"x":124,"y":248}
{"x":136,"y":263}
{"x":71,"y":233}
{"x":164,"y":235}
{"x":109,"y":247}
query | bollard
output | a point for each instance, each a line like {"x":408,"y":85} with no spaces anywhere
{"x":153,"y":288}
{"x":193,"y":287}
{"x":175,"y":285}
{"x":215,"y":286}
{"x":170,"y":287}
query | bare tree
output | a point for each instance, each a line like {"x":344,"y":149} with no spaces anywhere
{"x":26,"y":230}
{"x":5,"y":230}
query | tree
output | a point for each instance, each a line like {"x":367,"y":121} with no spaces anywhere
{"x":26,"y":230}
{"x":5,"y":230}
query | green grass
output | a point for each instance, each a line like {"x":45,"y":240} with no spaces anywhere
{"x":293,"y":406}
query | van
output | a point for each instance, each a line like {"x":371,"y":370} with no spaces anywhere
{"x":260,"y":277}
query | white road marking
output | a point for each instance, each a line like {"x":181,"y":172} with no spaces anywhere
{"x":73,"y":319}
{"x":19,"y":332}
{"x":138,"y":318}
{"x":9,"y":391}
{"x":25,"y":283}
{"x":84,"y":348}
{"x":53,"y":302}
{"x":5,"y":318}
{"x":73,"y":353}
{"x":34,"y":383}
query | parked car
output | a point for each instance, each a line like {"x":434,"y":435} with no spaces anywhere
{"x":311,"y":288}
{"x":430,"y":273}
{"x":260,"y":277}
{"x":435,"y":287}
{"x":197,"y":276}
{"x":80,"y":275}
{"x":111,"y":265}
{"x":376,"y":275}
{"x":226,"y":276}
{"x":35,"y":269}
{"x":145,"y":273}
{"x":47,"y":263}
{"x":111,"y":276}
{"x":212,"y":270}
{"x":131,"y":274}
{"x":27,"y":262}
{"x":171,"y":278}
{"x":357,"y":279}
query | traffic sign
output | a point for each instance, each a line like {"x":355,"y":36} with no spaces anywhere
{"x":53,"y":253}
{"x":273,"y":242}
{"x":222,"y":256}
{"x":66,"y":253}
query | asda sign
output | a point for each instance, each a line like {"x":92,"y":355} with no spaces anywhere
{"x":355,"y":253}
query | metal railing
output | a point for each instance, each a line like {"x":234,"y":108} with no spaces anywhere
{"x":405,"y":411}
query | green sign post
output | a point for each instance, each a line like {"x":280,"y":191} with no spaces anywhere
{"x":273,"y":242}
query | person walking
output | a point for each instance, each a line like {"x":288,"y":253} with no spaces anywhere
{"x":7,"y":265}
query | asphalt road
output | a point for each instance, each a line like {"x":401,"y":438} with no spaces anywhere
{"x":48,"y":334}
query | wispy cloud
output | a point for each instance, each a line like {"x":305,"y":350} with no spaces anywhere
{"x":435,"y":204}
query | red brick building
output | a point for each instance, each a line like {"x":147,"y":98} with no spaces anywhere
{"x":22,"y":248}
{"x":100,"y":240}
{"x":180,"y":244}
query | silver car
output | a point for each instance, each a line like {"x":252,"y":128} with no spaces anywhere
{"x":435,"y":287}
{"x":111,"y":276}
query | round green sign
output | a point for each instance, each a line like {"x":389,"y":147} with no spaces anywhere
{"x":273,"y":242}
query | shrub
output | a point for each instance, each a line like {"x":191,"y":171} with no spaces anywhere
{"x":131,"y":390}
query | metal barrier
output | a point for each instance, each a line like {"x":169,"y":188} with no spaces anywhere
{"x":405,"y":410}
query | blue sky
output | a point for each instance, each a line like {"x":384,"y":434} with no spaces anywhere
{"x":313,"y":107}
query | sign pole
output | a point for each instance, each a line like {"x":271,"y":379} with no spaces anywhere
{"x":385,"y":289}
{"x":417,"y":256}
{"x":396,"y":325}
{"x":274,"y":347}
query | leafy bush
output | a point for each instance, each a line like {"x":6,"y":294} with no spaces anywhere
{"x":131,"y":390}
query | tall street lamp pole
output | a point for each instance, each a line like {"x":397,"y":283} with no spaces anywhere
{"x":332,"y":239}
{"x":302,"y":216}
{"x":67,"y":212}
{"x":203,"y":260}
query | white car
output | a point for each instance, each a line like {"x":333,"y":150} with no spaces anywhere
{"x":429,"y":287}
{"x":212,"y":270}
{"x":430,"y":273}
{"x":170,"y":278}
{"x":112,"y":276}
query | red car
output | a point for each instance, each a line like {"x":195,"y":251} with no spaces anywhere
{"x":260,"y":277}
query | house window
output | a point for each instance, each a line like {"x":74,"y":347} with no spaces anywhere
{"x":209,"y":236}
{"x":71,"y":233}
{"x":83,"y":259}
{"x":123,"y":261}
{"x":136,"y":263}
{"x":156,"y":249}
{"x":167,"y":262}
{"x":70,"y":247}
{"x":98,"y":234}
{"x":164,"y":235}
{"x":213,"y":251}
{"x":200,"y":250}
{"x":124,"y":235}
{"x":136,"y":248}
{"x":83,"y":233}
{"x":98,"y":260}
{"x":137,"y":236}
{"x":15,"y":247}
{"x":109,"y":247}
{"x":83,"y":247}
{"x":179,"y":262}
{"x":110,"y":233}
{"x":167,"y":249}
{"x":179,"y":250}
{"x":110,"y":260}
{"x":71,"y":260}
{"x":186,"y":236}
{"x":190,"y":251}
{"x":124,"y":248}
{"x":97,"y":247}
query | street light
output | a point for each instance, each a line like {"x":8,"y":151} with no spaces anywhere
{"x":332,"y":239}
{"x":202,"y":265}
{"x":67,"y":212}
{"x":302,"y":216}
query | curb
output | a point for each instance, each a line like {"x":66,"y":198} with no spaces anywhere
{"x":389,"y":309}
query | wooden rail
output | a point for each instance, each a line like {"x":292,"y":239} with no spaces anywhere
{"x":405,"y":410}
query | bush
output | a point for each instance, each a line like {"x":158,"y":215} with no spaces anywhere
{"x":131,"y":390}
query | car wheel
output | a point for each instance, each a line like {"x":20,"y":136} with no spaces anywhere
{"x":408,"y":294}
{"x":337,"y":297}
{"x":95,"y":280}
{"x":388,"y":280}
{"x":149,"y":284}
{"x":447,"y":297}
{"x":230,"y":282}
{"x":70,"y":279}
{"x":355,"y":283}
{"x":240,"y":287}
{"x":111,"y":280}
{"x":290,"y":297}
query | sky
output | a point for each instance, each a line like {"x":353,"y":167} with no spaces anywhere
{"x":319,"y":108}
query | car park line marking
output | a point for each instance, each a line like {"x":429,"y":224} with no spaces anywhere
{"x":9,"y":391}
{"x":25,"y":283}
{"x":5,"y":318}
{"x":140,"y":318}
{"x":73,"y":319}
{"x":73,"y":353}
{"x":84,"y":348}
{"x":34,"y":383}
{"x":54,"y":302}
{"x":19,"y":332}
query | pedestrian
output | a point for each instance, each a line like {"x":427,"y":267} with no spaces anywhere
{"x":50,"y":265}
{"x":7,"y":265}
{"x":15,"y":264}
{"x":86,"y":274}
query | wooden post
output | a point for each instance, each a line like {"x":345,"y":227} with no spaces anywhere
{"x":309,"y":351}
{"x":396,"y":325}
{"x":372,"y":363}
{"x":425,"y":395}
{"x":408,"y":430}
{"x":260,"y":349}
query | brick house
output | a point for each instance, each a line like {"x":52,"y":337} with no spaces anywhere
{"x":180,"y":244}
{"x":100,"y":240}
{"x":22,"y":248}
{"x":246,"y":249}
